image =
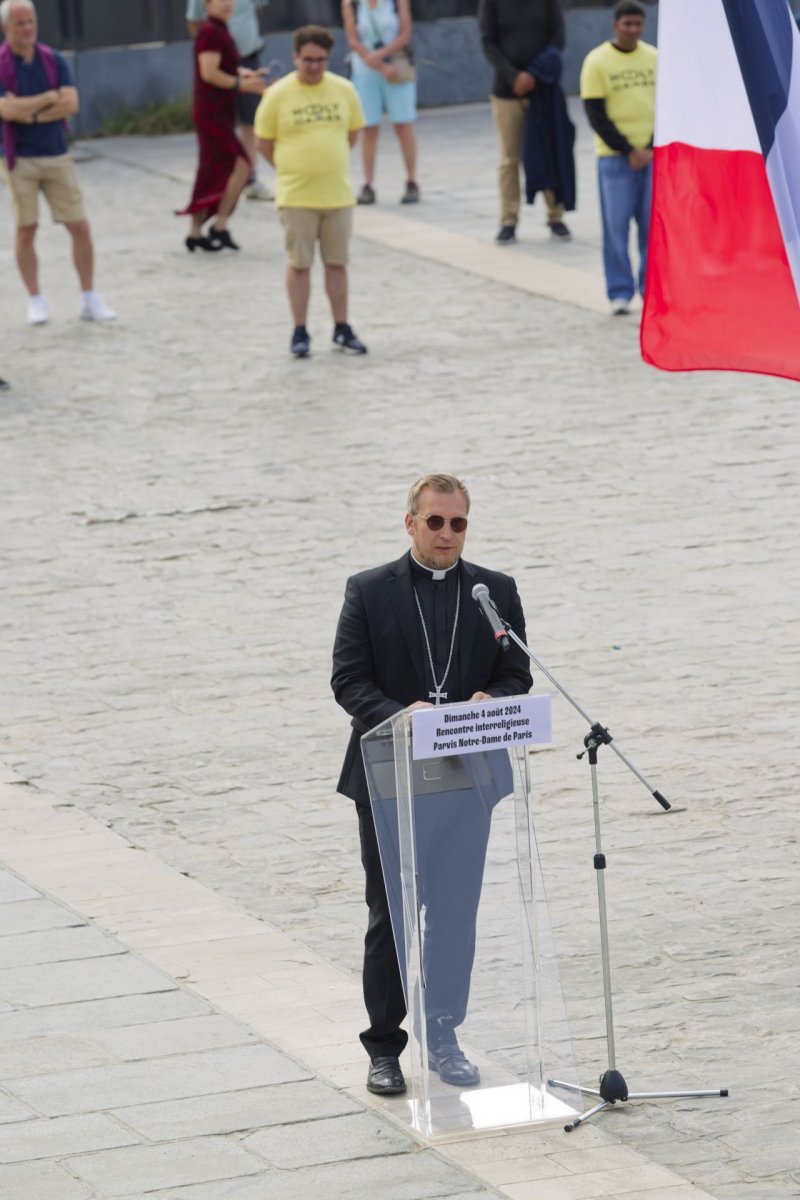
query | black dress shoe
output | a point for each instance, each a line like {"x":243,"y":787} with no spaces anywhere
{"x":507,"y":234}
{"x":220,"y":238}
{"x":452,"y":1066}
{"x":385,"y":1077}
{"x":204,"y":243}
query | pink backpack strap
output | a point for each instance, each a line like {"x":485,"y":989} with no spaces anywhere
{"x":48,"y":60}
{"x":8,"y":78}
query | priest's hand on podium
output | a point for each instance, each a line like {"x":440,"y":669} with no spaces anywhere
{"x":480,"y":696}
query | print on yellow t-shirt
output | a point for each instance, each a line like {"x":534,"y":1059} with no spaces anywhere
{"x":310,"y":124}
{"x":627,"y":83}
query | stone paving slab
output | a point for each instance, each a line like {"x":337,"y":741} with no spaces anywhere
{"x":94,"y":1089}
{"x":336,"y":1139}
{"x":45,"y":1181}
{"x":232,"y":1112}
{"x":61,"y":1136}
{"x":155,"y":1168}
{"x":87,"y":979}
{"x":54,"y":946}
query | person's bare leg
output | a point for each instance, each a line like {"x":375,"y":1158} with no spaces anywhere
{"x":369,"y":151}
{"x":197,"y":219}
{"x":233,"y":190}
{"x":407,"y":138}
{"x":298,"y":286}
{"x":26,"y":258}
{"x":247,"y":136}
{"x":82,"y":252}
{"x":336,"y":289}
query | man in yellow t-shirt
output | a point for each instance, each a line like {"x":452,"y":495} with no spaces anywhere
{"x":618,"y":82}
{"x":306,"y":125}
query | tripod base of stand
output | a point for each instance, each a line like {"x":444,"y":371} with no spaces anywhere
{"x":613,"y":1088}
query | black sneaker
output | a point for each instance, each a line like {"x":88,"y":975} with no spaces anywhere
{"x":366,"y":195}
{"x":559,"y":231}
{"x":301,"y":342}
{"x":411,"y":194}
{"x":507,"y":234}
{"x":345,"y":339}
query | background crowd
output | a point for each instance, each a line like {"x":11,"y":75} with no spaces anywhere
{"x":305,"y":123}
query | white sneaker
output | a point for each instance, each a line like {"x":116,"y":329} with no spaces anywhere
{"x":259,"y":191}
{"x":94,"y":308}
{"x":620,"y":308}
{"x":38,"y":310}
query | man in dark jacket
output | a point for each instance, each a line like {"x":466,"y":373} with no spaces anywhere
{"x":409,"y":634}
{"x":513,"y":32}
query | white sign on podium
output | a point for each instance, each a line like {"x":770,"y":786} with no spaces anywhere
{"x":474,"y":726}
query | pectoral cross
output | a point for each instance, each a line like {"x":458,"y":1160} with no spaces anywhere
{"x":438,"y":695}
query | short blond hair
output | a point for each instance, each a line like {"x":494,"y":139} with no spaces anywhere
{"x":437,"y":483}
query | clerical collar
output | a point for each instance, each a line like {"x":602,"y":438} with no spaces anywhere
{"x":435,"y":575}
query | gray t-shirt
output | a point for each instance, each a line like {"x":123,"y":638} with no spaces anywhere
{"x":243,"y":25}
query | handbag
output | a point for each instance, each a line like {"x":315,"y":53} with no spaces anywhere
{"x":398,"y":67}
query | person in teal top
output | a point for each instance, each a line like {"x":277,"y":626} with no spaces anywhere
{"x":375,"y":30}
{"x":243,"y":28}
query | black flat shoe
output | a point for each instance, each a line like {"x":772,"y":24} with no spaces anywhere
{"x":203,"y":243}
{"x":385,"y":1078}
{"x":452,"y":1066}
{"x":220,"y":238}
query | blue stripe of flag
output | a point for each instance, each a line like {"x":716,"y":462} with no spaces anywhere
{"x":762,"y":32}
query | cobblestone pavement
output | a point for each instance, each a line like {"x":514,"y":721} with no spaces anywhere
{"x":182,"y":504}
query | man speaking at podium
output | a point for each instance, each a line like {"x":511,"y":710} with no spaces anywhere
{"x":410,"y":635}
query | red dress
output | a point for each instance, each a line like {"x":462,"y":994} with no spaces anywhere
{"x":214,"y":112}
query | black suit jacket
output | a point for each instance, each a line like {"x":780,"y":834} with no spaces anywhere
{"x":379,"y":656}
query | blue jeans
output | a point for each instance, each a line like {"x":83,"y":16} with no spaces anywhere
{"x":624,"y":196}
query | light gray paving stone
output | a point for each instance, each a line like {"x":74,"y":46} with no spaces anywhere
{"x":114,"y":1013}
{"x":40,"y":1181}
{"x":13,"y":889}
{"x":174,"y":1164}
{"x":361,"y":1135}
{"x":100,"y":1088}
{"x":90,"y":979}
{"x":174,"y":1037}
{"x":232,"y":1111}
{"x":56,"y":1052}
{"x":30,"y":916}
{"x":60,"y":1136}
{"x":72,"y":1051}
{"x":60,"y":945}
{"x":12,"y":1110}
{"x":408,"y":1177}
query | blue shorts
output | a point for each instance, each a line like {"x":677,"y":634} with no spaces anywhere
{"x":377,"y":97}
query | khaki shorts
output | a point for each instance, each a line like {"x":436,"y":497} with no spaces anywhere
{"x":56,"y":177}
{"x":306,"y":226}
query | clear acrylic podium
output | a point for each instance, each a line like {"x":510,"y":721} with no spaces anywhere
{"x":471,"y":928}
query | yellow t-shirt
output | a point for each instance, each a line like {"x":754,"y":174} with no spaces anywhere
{"x":627,"y":83}
{"x":309,"y":124}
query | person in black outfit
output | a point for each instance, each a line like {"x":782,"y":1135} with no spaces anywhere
{"x":513,"y":33}
{"x":409,"y":634}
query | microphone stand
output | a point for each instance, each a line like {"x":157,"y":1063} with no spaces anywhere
{"x":612,"y":1086}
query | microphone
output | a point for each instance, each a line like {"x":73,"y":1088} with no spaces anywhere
{"x":481,"y":593}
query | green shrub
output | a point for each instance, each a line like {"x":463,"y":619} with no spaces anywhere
{"x":162,"y":116}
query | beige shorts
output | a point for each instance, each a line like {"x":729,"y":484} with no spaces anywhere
{"x":56,"y":177}
{"x":306,"y":226}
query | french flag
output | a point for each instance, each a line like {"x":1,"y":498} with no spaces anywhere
{"x":723,"y":267}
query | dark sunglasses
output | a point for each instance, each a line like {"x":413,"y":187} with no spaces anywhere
{"x":457,"y":524}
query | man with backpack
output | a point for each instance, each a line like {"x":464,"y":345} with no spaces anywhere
{"x":37,"y":95}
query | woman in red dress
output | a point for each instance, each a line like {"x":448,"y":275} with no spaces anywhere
{"x":224,"y":166}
